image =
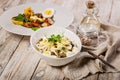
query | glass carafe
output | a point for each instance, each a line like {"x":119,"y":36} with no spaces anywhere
{"x":89,"y":28}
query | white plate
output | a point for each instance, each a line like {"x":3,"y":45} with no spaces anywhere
{"x":63,"y":17}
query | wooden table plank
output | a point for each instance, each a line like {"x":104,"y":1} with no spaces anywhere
{"x":7,"y":48}
{"x":22,"y":64}
{"x":105,"y":8}
{"x":115,"y":14}
{"x":46,"y":72}
{"x":8,"y":4}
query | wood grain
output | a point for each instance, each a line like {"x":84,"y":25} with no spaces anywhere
{"x":105,"y":8}
{"x":7,"y":48}
{"x":115,"y":13}
{"x":46,"y":72}
{"x":22,"y":64}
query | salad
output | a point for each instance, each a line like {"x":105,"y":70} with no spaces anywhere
{"x":32,"y":20}
{"x":56,"y":45}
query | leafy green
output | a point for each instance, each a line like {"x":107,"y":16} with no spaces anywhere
{"x":34,"y":28}
{"x":21,"y":17}
{"x":26,"y":20}
{"x":63,"y":48}
{"x":55,"y":38}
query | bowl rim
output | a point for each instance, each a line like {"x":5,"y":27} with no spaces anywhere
{"x":77,"y":52}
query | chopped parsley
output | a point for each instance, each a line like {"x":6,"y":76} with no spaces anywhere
{"x":21,"y":17}
{"x":55,"y":38}
{"x":63,"y":48}
{"x":35,"y":28}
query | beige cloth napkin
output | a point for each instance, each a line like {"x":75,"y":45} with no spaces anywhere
{"x":109,"y":50}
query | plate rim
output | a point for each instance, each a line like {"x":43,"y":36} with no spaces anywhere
{"x":29,"y":34}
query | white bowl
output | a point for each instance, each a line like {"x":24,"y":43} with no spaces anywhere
{"x":54,"y":61}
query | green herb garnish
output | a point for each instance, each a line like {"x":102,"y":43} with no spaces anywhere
{"x":63,"y":48}
{"x":21,"y":17}
{"x":55,"y":38}
{"x":26,"y":20}
{"x":35,"y":28}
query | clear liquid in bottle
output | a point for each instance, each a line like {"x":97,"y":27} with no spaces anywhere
{"x":89,"y":28}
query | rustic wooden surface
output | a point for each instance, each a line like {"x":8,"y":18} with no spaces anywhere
{"x":19,"y":62}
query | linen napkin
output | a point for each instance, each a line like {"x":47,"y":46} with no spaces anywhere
{"x":109,"y":50}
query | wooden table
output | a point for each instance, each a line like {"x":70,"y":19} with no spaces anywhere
{"x":19,"y":62}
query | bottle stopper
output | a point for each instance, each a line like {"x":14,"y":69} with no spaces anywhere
{"x":90,"y":4}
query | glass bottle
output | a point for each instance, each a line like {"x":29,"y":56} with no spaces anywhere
{"x":89,"y":28}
